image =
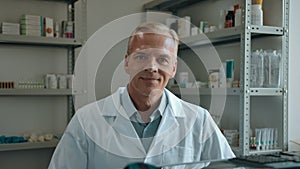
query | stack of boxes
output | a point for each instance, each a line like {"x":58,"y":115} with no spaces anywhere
{"x":32,"y":25}
{"x":36,"y":25}
{"x":10,"y":28}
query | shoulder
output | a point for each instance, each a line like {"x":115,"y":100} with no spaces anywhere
{"x":107,"y":106}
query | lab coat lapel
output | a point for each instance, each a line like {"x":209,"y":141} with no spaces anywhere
{"x":167,"y":126}
{"x":123,"y":125}
{"x":126,"y":136}
{"x":173,"y":127}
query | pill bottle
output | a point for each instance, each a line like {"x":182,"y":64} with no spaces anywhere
{"x":256,"y":15}
{"x":229,"y":19}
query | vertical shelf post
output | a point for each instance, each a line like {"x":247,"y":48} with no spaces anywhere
{"x":71,"y":62}
{"x":285,"y":58}
{"x":245,"y":81}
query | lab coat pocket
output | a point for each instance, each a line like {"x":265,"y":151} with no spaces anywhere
{"x":177,"y":155}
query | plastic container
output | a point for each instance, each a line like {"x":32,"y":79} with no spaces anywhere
{"x":257,"y":69}
{"x":272,"y":68}
{"x":222,"y":19}
{"x":256,"y":15}
{"x":62,"y":81}
{"x":238,"y":17}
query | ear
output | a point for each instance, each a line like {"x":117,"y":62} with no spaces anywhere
{"x":126,"y":60}
{"x":174,"y":70}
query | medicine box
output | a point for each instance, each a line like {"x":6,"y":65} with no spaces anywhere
{"x":48,"y":25}
{"x":30,"y":17}
{"x":31,"y":20}
{"x":10,"y":28}
{"x":31,"y":32}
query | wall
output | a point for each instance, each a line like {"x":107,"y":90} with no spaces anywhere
{"x":294,"y":76}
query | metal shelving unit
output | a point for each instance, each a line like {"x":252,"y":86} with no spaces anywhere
{"x":70,"y":44}
{"x":249,"y":92}
{"x":243,"y":34}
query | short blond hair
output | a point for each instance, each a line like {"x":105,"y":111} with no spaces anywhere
{"x":153,"y":27}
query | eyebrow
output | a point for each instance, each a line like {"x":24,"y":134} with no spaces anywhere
{"x":166,"y":55}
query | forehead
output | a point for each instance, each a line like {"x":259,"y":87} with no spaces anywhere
{"x":153,"y":40}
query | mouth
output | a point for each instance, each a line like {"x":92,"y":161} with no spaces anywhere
{"x":149,"y":79}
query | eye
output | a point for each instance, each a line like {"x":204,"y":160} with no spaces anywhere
{"x":140,"y":56}
{"x":165,"y":60}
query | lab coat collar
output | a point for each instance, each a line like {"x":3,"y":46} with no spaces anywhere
{"x":168,"y":134}
{"x":173,"y":102}
{"x":130,"y":109}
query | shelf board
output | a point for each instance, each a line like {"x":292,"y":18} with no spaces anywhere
{"x":228,"y":35}
{"x":266,"y":91}
{"x":39,"y":41}
{"x":227,"y":91}
{"x":67,"y":1}
{"x":29,"y":145}
{"x":237,"y":151}
{"x":271,"y":30}
{"x":219,"y":36}
{"x":257,"y":152}
{"x":36,"y":92}
{"x":168,"y":5}
{"x":205,"y":91}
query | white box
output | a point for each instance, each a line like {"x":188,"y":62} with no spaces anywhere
{"x":31,"y":17}
{"x":184,"y":27}
{"x":7,"y":24}
{"x":194,"y":31}
{"x":11,"y":32}
{"x":31,"y":32}
{"x":48,"y":27}
{"x":36,"y":27}
{"x":32,"y":22}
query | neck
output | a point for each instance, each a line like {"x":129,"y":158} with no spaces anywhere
{"x":145,"y":104}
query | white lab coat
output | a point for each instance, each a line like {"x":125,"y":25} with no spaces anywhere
{"x":100,"y":135}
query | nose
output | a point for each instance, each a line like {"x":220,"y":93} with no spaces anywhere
{"x":151,"y":65}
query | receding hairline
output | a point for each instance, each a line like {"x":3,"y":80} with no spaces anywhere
{"x":153,"y":28}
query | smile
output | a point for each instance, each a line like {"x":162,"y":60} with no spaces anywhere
{"x":149,"y":79}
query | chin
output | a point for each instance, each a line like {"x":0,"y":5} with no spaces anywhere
{"x":148,"y":91}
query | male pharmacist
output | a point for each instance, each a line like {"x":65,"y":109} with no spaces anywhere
{"x":142,"y":122}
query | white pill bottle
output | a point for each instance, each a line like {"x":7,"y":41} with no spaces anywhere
{"x":256,"y":14}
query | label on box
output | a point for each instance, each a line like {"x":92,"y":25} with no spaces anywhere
{"x":48,"y":25}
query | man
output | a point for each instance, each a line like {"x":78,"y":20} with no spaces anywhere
{"x":142,"y":122}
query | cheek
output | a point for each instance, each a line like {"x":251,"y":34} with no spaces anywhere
{"x":133,"y":69}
